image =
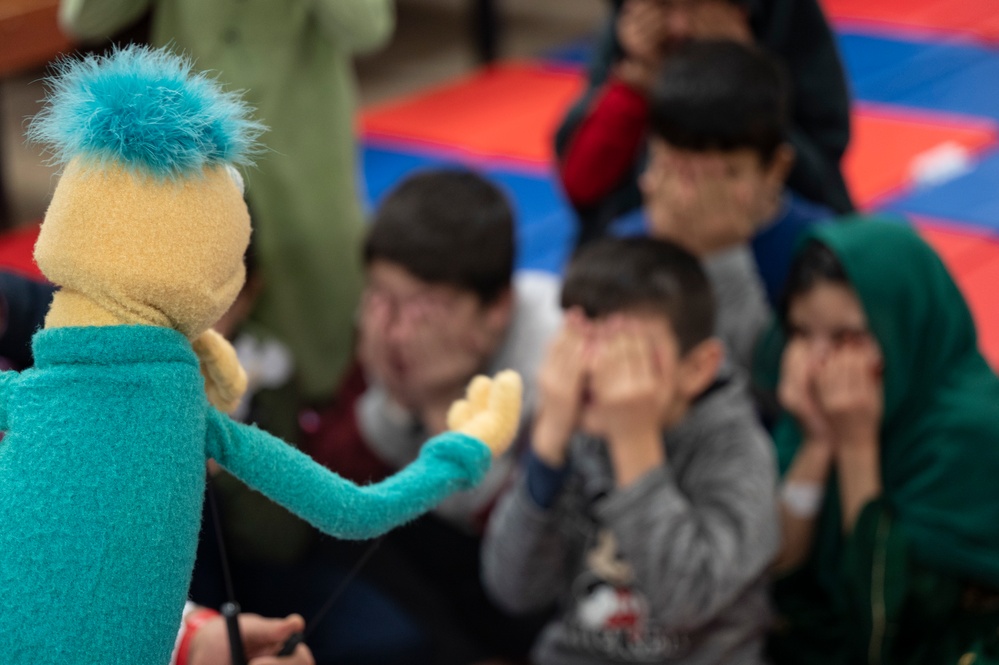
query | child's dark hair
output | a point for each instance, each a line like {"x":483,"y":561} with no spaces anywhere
{"x":814,"y":264}
{"x":449,"y":226}
{"x":721,"y":95}
{"x":642,"y":274}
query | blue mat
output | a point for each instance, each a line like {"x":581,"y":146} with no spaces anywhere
{"x":954,"y":77}
{"x":574,"y":54}
{"x":546,"y":227}
{"x":971,"y":199}
{"x":938,"y":76}
{"x":948,"y":76}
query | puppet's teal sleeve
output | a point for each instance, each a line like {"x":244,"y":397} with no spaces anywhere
{"x":7,"y":380}
{"x":447,"y":463}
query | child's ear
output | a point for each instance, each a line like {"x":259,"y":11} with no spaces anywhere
{"x":775,"y":174}
{"x":699,"y":367}
{"x":500,"y":311}
{"x":780,"y":165}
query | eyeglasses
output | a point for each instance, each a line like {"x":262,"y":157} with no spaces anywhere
{"x":412,"y":307}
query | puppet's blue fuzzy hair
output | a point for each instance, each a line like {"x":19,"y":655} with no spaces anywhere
{"x":144,"y":109}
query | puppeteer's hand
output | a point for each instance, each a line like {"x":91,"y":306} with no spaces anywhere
{"x":263,"y":638}
{"x":490,"y":411}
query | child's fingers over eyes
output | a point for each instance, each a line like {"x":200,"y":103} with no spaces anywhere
{"x":796,"y":374}
{"x":709,"y":168}
{"x":605,"y":357}
{"x":661,"y":358}
{"x":570,"y":357}
{"x":859,"y":361}
{"x":630,"y":354}
{"x":848,"y":380}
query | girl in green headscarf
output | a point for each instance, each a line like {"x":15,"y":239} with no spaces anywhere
{"x":890,"y":457}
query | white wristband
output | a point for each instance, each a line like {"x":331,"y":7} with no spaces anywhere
{"x":802,"y":499}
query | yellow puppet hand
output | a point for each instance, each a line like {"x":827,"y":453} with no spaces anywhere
{"x":225,"y":379}
{"x":490,"y":411}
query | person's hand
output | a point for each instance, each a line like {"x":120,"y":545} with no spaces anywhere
{"x":632,"y":382}
{"x":850,"y":392}
{"x":560,"y":391}
{"x":640,"y":31}
{"x":629,"y":383}
{"x":692,"y":200}
{"x":796,"y":392}
{"x":720,"y":20}
{"x":263,"y":638}
{"x":636,"y":74}
{"x":372,"y":348}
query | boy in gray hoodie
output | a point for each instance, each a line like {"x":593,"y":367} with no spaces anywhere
{"x":646,"y":507}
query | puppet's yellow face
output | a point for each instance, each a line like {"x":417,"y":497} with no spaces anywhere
{"x":145,"y":251}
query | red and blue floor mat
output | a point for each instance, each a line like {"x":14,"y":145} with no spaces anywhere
{"x":925,"y":134}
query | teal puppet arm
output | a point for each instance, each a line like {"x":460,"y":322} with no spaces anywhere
{"x":484,"y":424}
{"x":447,"y":463}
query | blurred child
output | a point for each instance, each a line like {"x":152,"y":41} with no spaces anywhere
{"x":441,"y":304}
{"x":718,"y":159}
{"x":601,"y":143}
{"x":890,"y":507}
{"x":647,"y":508}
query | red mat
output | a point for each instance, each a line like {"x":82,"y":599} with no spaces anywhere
{"x":963,"y":248}
{"x":886,"y":140}
{"x":16,"y":252}
{"x":973,"y":260}
{"x":509,"y":111}
{"x":979,"y":288}
{"x":977,"y":19}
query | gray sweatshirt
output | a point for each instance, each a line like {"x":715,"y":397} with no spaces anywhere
{"x":742,"y":309}
{"x":668,"y":570}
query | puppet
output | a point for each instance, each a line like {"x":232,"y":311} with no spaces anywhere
{"x":102,"y":468}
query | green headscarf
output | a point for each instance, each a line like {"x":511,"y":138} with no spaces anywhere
{"x":939,"y":467}
{"x":940,"y":431}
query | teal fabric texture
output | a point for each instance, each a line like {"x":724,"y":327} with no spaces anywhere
{"x":102,"y":471}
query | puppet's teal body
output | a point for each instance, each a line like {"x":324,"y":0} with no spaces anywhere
{"x":101,"y":488}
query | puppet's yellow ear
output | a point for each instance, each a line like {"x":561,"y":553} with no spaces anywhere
{"x":491,"y":410}
{"x":225,"y":379}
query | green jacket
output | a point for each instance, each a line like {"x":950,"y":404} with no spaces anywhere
{"x":906,"y":586}
{"x":294,"y":60}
